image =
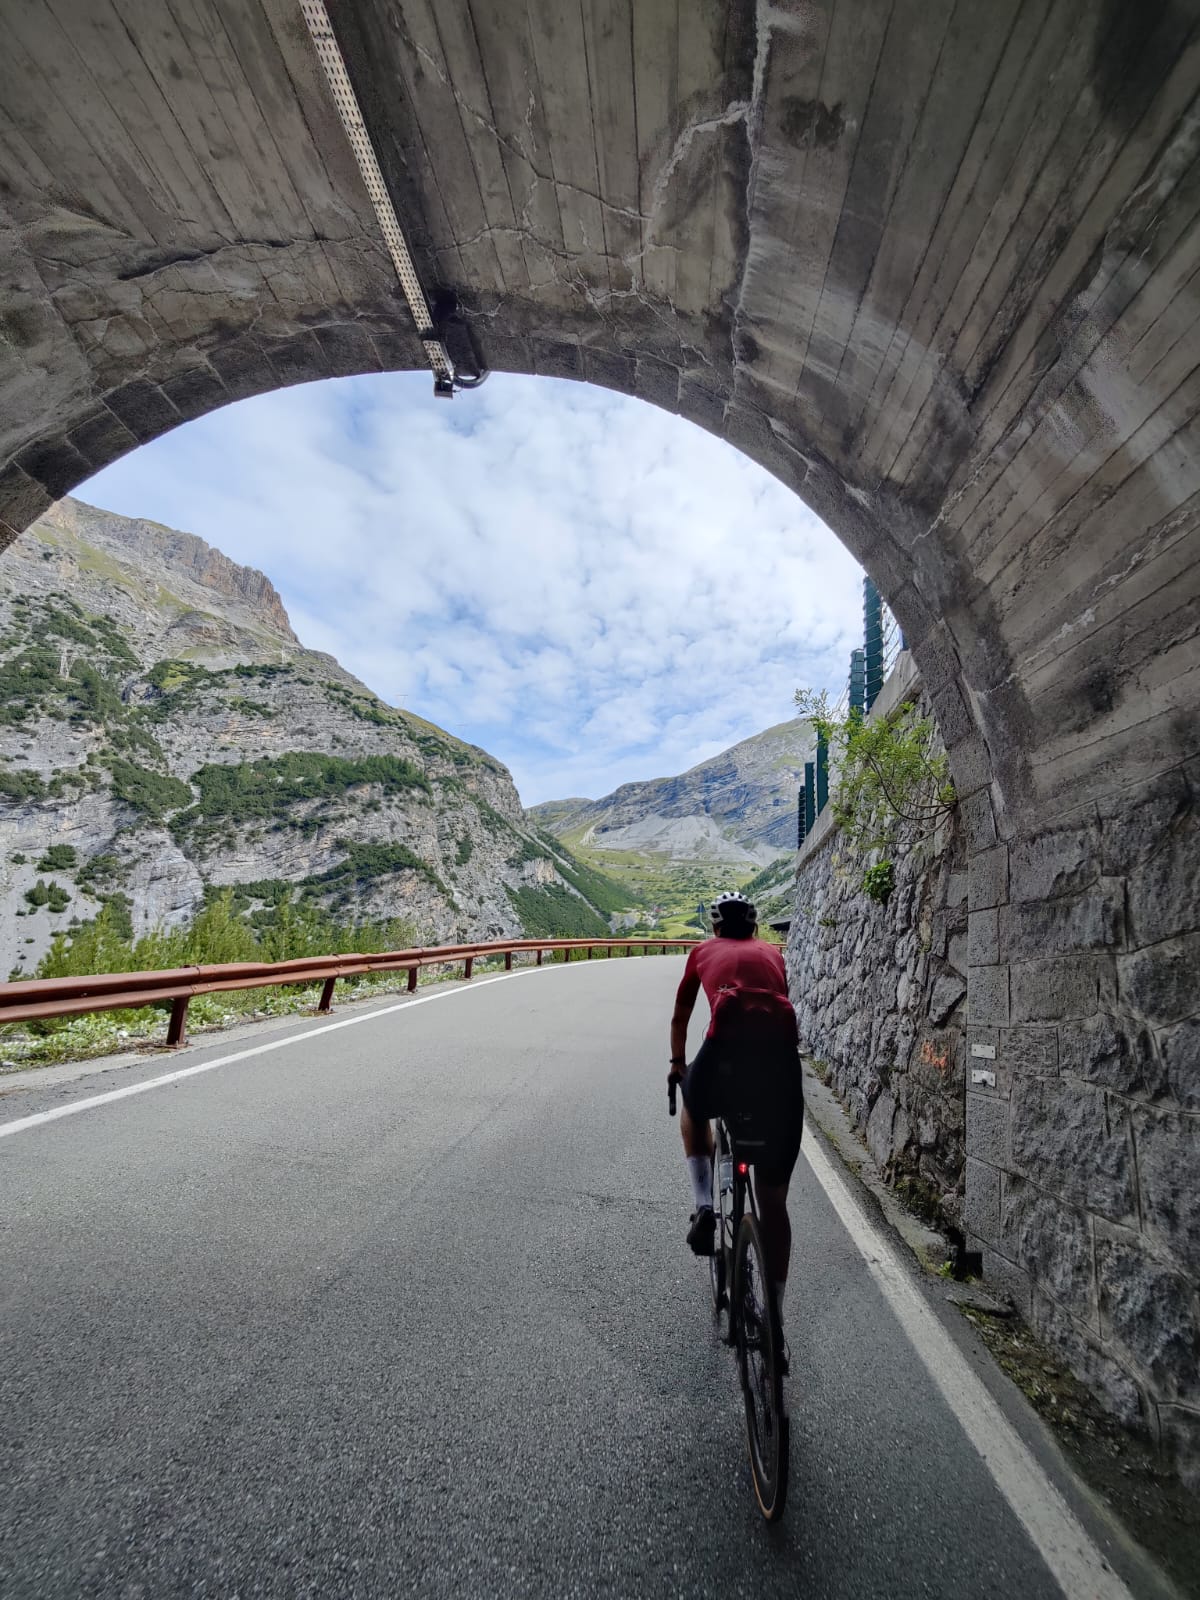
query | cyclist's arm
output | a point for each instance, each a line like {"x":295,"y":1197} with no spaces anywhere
{"x":685,"y":999}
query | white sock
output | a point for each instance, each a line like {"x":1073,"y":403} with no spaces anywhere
{"x":700,"y":1168}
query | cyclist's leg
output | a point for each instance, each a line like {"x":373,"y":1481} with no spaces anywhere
{"x":696,"y":1128}
{"x":776,"y":1227}
{"x":697,"y":1134}
{"x":772,"y":1176}
{"x":694,"y":1119}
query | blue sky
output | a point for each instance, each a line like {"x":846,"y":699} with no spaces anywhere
{"x":591,"y":589}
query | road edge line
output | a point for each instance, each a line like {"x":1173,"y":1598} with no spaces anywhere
{"x":1079,"y":1568}
{"x":126,"y":1091}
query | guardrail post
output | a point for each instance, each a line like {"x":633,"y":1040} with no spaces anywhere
{"x":539,"y":958}
{"x":326,"y":1001}
{"x":508,"y":961}
{"x":177,"y":1030}
{"x":468,"y":966}
{"x":412,"y":979}
{"x":591,"y":952}
{"x":567,"y":953}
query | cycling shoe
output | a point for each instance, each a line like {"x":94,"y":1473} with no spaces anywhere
{"x":703,"y":1231}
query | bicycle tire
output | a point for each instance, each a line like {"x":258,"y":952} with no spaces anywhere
{"x":758,"y":1349}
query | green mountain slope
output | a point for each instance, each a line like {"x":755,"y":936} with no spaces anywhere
{"x":729,"y":822}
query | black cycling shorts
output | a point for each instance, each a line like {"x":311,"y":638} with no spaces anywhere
{"x":768,"y":1093}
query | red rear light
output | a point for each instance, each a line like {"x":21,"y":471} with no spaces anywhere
{"x":743,"y":1168}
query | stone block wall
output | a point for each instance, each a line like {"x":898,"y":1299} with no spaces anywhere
{"x":880,"y":993}
{"x":1077,"y":1175}
{"x":1083,"y":1163}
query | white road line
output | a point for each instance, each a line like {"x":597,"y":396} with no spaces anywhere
{"x":1075,"y":1563}
{"x":92,"y":1101}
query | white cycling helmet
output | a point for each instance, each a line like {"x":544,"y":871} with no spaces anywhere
{"x":735,"y":906}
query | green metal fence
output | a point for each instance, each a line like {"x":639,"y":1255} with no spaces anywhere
{"x":870,"y":665}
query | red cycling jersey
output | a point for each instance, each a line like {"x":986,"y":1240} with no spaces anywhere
{"x":730,"y":964}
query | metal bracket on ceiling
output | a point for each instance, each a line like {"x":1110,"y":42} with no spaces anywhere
{"x":430,"y":326}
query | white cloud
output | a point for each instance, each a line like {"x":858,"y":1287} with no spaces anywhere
{"x":588,"y":587}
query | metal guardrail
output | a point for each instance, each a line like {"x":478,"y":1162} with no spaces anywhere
{"x":35,"y":999}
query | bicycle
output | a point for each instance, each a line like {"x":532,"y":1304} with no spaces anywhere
{"x":741,"y":1285}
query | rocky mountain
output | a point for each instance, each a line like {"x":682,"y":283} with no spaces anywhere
{"x":163,"y":733}
{"x":736,"y":809}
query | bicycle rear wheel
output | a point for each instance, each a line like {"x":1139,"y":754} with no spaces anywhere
{"x":758,"y":1347}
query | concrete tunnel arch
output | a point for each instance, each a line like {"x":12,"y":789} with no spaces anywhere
{"x":936,"y":272}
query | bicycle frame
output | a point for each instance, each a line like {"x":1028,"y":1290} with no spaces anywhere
{"x":737,"y":1242}
{"x":740,"y":1157}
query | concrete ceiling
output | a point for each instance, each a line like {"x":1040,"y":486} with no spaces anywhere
{"x":931,"y":262}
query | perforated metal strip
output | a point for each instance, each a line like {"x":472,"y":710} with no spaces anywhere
{"x":317,"y":18}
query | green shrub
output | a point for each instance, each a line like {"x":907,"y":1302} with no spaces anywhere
{"x":889,"y":771}
{"x":120,"y":911}
{"x":109,"y":634}
{"x":27,"y":680}
{"x":879,"y":881}
{"x":527,"y":850}
{"x":100,"y":869}
{"x":551,"y":911}
{"x":58,"y":899}
{"x":262,"y":669}
{"x":217,"y":933}
{"x":603,"y":892}
{"x":39,"y":895}
{"x":151,"y":793}
{"x":366,"y":862}
{"x":463,"y":853}
{"x":93,"y":695}
{"x":67,"y":627}
{"x":130,"y":739}
{"x":180,"y":683}
{"x":269,"y":788}
{"x":58,"y":858}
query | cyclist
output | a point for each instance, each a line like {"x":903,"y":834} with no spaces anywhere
{"x":748,"y":1060}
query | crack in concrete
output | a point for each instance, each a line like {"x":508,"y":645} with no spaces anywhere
{"x":180,"y":258}
{"x":508,"y":144}
{"x":599,"y":300}
{"x":765,"y":17}
{"x":736,"y":111}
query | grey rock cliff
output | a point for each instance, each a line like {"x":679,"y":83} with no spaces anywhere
{"x":135,"y":663}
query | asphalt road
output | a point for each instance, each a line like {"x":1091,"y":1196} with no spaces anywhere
{"x":404,"y":1307}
